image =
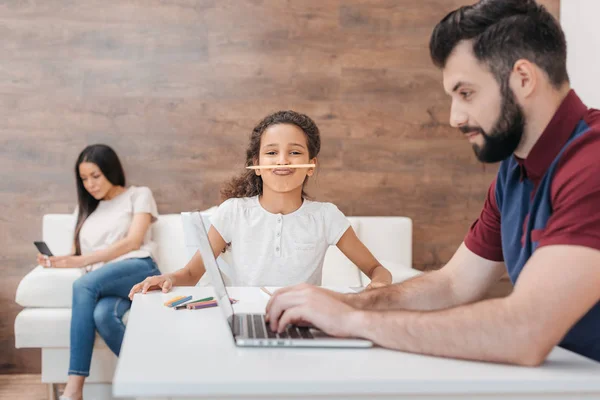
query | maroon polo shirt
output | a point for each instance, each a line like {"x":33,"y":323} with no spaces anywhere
{"x":575,"y":189}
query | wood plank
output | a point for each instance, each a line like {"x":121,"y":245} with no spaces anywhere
{"x":23,"y":387}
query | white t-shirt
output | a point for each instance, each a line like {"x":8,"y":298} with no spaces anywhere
{"x":111,"y":220}
{"x":275,"y":249}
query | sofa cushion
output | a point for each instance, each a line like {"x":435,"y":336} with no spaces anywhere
{"x":338,"y":270}
{"x":48,"y":287}
{"x":47,"y":327}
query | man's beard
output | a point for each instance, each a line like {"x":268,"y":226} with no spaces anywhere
{"x":505,"y":135}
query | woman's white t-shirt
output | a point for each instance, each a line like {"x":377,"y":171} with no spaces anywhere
{"x":275,"y":249}
{"x":111,"y":220}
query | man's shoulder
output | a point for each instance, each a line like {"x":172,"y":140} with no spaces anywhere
{"x":580,"y":159}
{"x":582,"y":152}
{"x":592,"y":119}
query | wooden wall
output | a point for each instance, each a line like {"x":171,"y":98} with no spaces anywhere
{"x":176,"y":86}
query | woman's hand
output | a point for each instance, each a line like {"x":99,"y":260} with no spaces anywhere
{"x":43,"y":260}
{"x":158,"y":282}
{"x":62,"y":261}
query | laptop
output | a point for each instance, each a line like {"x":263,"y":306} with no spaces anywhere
{"x":250,"y":330}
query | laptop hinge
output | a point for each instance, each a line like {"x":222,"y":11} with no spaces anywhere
{"x":234,"y":324}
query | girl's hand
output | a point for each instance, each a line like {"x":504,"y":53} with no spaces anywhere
{"x":65,"y":262}
{"x":159,"y":282}
{"x":375,"y":285}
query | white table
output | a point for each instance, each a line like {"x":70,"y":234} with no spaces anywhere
{"x":191,"y":354}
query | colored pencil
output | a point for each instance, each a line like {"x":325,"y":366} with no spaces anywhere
{"x":198,"y":306}
{"x":178,"y":302}
{"x":182,"y":306}
{"x":171,"y":301}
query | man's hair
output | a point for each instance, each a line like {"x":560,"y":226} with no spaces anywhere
{"x":503,"y":32}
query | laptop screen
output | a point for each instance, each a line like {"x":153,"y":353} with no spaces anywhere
{"x":196,"y":237}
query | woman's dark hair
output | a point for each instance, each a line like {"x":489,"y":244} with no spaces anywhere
{"x":249,"y":184}
{"x":107,"y":160}
{"x":502,"y":32}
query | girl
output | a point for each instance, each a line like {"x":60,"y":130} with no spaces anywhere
{"x":113,"y":240}
{"x":278,"y":236}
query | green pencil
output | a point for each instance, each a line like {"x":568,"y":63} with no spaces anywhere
{"x":198,"y":301}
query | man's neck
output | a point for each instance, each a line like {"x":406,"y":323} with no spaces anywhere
{"x":537,"y":120}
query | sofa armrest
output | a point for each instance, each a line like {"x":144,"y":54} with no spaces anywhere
{"x":48,"y":287}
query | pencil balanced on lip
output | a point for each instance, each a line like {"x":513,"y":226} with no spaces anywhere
{"x":281,"y":166}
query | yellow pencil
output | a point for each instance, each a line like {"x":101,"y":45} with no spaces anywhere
{"x":173,"y":300}
{"x":266,"y":291}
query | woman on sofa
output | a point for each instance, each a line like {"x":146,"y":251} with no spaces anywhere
{"x":113,"y":242}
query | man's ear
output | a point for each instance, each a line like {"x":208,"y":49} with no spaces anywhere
{"x":524,"y":78}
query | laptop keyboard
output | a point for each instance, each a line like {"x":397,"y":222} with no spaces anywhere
{"x":258,"y":329}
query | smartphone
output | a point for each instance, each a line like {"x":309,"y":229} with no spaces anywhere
{"x":43,"y":248}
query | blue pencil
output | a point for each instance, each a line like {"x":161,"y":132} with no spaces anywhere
{"x":178,"y":302}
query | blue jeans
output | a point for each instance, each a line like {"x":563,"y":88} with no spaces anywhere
{"x":99,"y":302}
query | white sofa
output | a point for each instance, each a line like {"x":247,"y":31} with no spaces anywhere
{"x":45,"y":293}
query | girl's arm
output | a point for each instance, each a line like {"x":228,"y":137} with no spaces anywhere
{"x":186,"y":276}
{"x":358,"y":253}
{"x":194,"y":269}
{"x":132,"y":241}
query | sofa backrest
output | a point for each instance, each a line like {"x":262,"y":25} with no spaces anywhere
{"x":388,"y":238}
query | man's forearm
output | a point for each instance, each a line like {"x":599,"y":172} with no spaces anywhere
{"x":430,"y":291}
{"x":491,"y":330}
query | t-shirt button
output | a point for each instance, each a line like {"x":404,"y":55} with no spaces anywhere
{"x":278,"y":234}
{"x":277,"y":248}
{"x":279,"y":219}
